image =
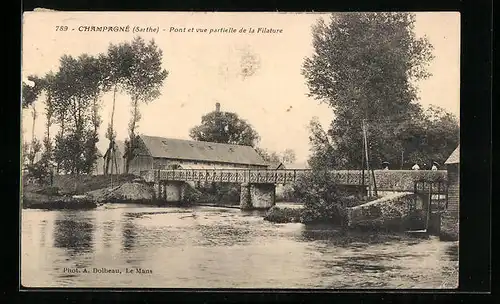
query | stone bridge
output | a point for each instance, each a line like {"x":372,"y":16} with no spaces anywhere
{"x":258,"y":186}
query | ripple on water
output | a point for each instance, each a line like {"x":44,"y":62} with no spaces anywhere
{"x":216,"y":247}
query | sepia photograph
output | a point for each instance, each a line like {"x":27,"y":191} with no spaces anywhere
{"x":255,"y":150}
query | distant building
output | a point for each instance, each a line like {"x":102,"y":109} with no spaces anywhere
{"x":164,"y":153}
{"x":453,"y":168}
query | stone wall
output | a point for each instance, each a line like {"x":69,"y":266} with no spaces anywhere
{"x":388,"y":212}
{"x":403,"y":180}
{"x":454,"y":187}
{"x":450,"y":226}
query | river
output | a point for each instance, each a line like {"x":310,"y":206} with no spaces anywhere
{"x":209,"y":247}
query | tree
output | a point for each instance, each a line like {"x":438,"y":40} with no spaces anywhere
{"x":117,"y":63}
{"x":322,"y":147}
{"x":75,"y":91}
{"x":268,"y":156}
{"x":29,"y":95}
{"x":365,"y":66}
{"x":225,"y":127}
{"x":142,"y":85}
{"x":431,"y":137}
{"x":288,"y":156}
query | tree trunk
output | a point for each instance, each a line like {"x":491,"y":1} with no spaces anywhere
{"x":111,"y":147}
{"x":33,"y":114}
{"x":133,"y":121}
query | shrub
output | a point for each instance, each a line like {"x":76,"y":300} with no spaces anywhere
{"x":288,"y":193}
{"x":49,"y":191}
{"x":191,"y":195}
{"x":39,"y":172}
{"x":321,"y":198}
{"x":283,"y":215}
{"x":220,"y":193}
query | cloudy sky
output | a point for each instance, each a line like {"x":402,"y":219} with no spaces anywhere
{"x":206,"y":68}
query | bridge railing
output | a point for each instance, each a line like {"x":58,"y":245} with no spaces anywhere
{"x":281,"y":176}
{"x":386,"y":180}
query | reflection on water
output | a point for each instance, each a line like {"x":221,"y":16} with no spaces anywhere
{"x":207,"y":247}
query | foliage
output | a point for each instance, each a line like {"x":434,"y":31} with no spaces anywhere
{"x":268,"y":156}
{"x":30,"y":93}
{"x":34,"y":149}
{"x":321,"y":198}
{"x":220,"y":193}
{"x":143,"y":82}
{"x":322,"y":156}
{"x":283,"y":215}
{"x":288,"y":156}
{"x":225,"y":127}
{"x":38,"y":172}
{"x":74,"y":93}
{"x":76,"y":153}
{"x":191,"y":195}
{"x":365,"y":66}
{"x":24,"y":153}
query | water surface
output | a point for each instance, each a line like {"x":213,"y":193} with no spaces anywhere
{"x":207,"y":247}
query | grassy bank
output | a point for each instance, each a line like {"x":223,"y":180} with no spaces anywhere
{"x":74,"y":185}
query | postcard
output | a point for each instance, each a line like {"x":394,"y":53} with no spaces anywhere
{"x":240,"y":150}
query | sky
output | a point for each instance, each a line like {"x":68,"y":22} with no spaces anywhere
{"x":205,"y":68}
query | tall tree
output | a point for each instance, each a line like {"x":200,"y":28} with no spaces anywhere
{"x":143,"y":85}
{"x":29,"y":95}
{"x":365,"y":66}
{"x":225,"y":127}
{"x":268,"y":156}
{"x":77,"y":86}
{"x":322,"y":147}
{"x":288,"y":156}
{"x":117,"y":63}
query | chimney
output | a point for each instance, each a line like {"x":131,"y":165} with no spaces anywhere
{"x":217,"y":107}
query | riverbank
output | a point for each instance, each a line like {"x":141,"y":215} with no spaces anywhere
{"x":44,"y":201}
{"x":85,"y":192}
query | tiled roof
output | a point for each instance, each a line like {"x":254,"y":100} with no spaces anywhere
{"x":454,"y":157}
{"x":201,"y":151}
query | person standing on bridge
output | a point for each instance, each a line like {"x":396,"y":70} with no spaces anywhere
{"x":415,"y":167}
{"x":385,"y":165}
{"x":434,"y":166}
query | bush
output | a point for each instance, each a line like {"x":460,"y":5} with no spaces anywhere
{"x":191,"y":195}
{"x":322,"y":200}
{"x":288,"y":193}
{"x":49,"y":191}
{"x":220,"y":193}
{"x":39,"y":172}
{"x":283,"y":215}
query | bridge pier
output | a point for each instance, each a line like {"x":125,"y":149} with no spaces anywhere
{"x":169,"y":191}
{"x":257,"y":196}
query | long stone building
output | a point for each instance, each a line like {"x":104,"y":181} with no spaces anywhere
{"x":155,"y":153}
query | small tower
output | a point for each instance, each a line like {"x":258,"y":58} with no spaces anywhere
{"x":217,"y":107}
